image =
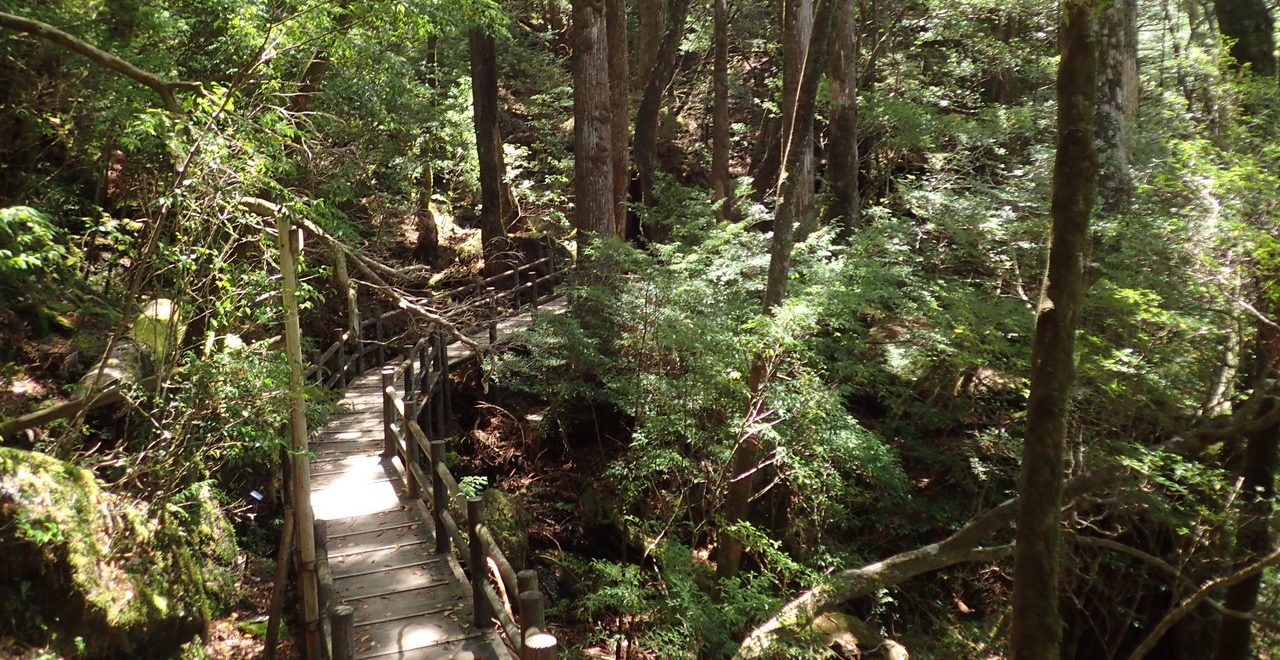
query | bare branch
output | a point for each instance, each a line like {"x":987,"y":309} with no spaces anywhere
{"x":165,"y":88}
{"x":1194,"y":600}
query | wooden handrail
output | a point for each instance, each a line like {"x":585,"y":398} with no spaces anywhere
{"x":406,"y":440}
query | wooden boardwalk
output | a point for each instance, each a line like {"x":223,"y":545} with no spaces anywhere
{"x":410,"y":602}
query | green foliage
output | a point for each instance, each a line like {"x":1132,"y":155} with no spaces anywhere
{"x":34,"y":264}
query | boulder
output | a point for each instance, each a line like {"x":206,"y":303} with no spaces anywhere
{"x":93,"y":574}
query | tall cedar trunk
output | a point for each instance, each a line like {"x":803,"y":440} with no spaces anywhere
{"x":720,"y":180}
{"x":484,"y":100}
{"x":1117,"y":102}
{"x":655,"y":90}
{"x":842,"y":163}
{"x":1036,"y":630}
{"x":1249,"y":23}
{"x":747,"y":452}
{"x":651,"y":18}
{"x":592,"y":132}
{"x":619,"y":95}
{"x":799,"y":24}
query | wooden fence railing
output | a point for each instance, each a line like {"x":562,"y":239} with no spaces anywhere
{"x":346,"y":357}
{"x":414,"y":428}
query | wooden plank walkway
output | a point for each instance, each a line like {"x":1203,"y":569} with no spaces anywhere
{"x":410,"y":602}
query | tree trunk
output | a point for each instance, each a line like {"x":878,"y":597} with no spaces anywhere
{"x":1036,"y":629}
{"x":1250,"y":25}
{"x":655,"y":90}
{"x":484,"y":99}
{"x":309,"y":82}
{"x":747,"y":452}
{"x":720,"y":180}
{"x":842,"y":163}
{"x":592,"y":132}
{"x":798,"y":23}
{"x":619,"y":100}
{"x":1117,"y":102}
{"x":651,"y":18}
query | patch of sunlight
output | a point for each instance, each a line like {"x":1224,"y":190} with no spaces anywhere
{"x":359,"y":491}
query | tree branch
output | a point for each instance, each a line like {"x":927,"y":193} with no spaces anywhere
{"x":1191,"y":602}
{"x":962,"y":546}
{"x":164,"y":88}
{"x":366,"y":266}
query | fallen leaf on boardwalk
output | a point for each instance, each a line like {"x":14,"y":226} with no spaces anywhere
{"x":365,"y":638}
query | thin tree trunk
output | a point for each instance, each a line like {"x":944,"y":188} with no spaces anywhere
{"x":1117,"y":95}
{"x":721,"y":182}
{"x":1036,"y":629}
{"x":619,"y":100}
{"x":798,"y":21}
{"x":484,"y":99}
{"x":593,"y":143}
{"x":746,"y":454}
{"x":842,"y":164}
{"x":655,"y":90}
{"x":651,"y":18}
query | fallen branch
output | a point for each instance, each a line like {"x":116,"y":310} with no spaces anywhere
{"x":165,"y":88}
{"x":367,"y":267}
{"x":962,"y":546}
{"x":114,"y":394}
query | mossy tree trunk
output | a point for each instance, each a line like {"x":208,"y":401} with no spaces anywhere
{"x":1036,"y":629}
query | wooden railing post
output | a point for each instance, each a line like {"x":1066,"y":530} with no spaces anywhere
{"x":344,"y":633}
{"x":541,"y":646}
{"x":411,"y":448}
{"x":382,"y":349}
{"x":408,"y":380}
{"x":477,"y":564}
{"x":532,"y":619}
{"x":445,"y":392}
{"x":388,"y":413}
{"x":442,"y":384}
{"x":439,"y":496}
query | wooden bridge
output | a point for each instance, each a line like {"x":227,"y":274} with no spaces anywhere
{"x":399,"y":576}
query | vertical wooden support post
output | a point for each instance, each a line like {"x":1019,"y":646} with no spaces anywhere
{"x":532,"y":619}
{"x":360,"y":347}
{"x":445,"y":390}
{"x":299,"y":439}
{"x":439,"y":497}
{"x":321,"y":528}
{"x":382,"y":348}
{"x":408,"y":381}
{"x":533,"y":288}
{"x":388,"y":413}
{"x":442,"y":383}
{"x":477,"y":564}
{"x":411,"y":448}
{"x":344,"y":633}
{"x":541,"y":646}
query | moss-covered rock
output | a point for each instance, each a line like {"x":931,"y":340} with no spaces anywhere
{"x":99,"y":575}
